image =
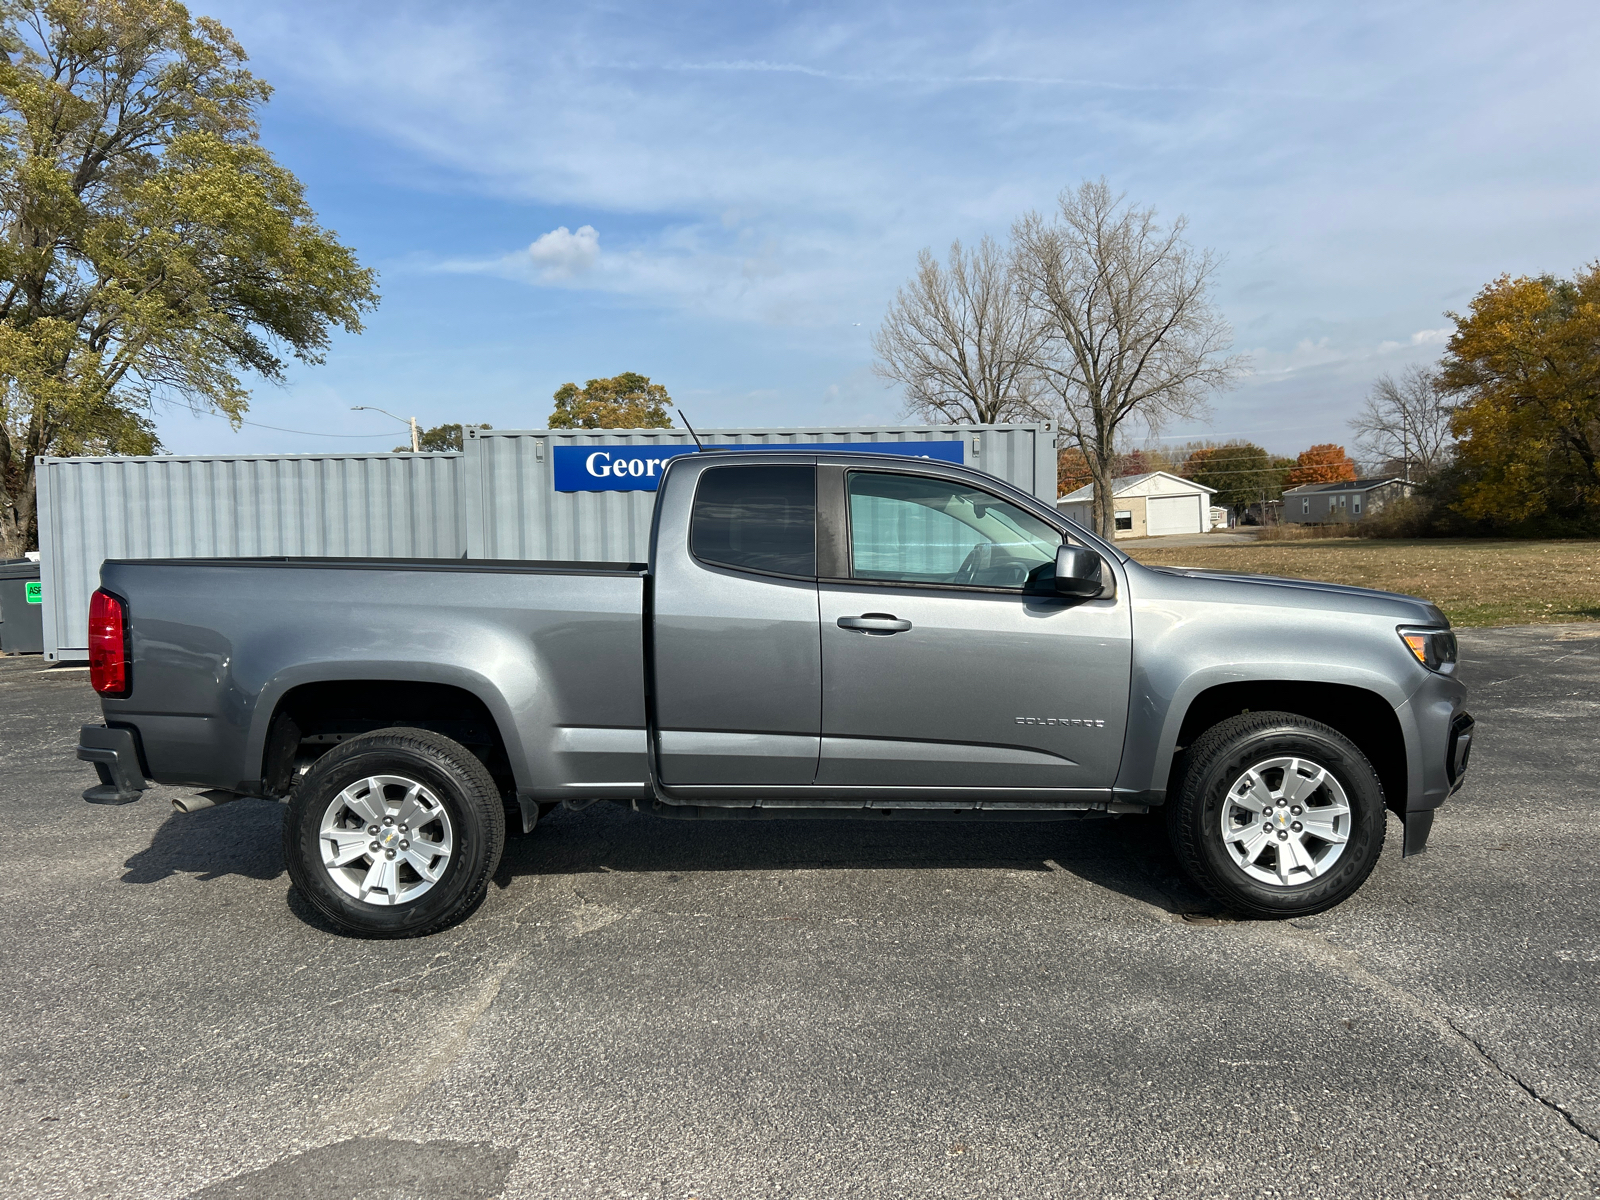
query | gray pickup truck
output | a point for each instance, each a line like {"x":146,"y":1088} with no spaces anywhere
{"x":815,"y":635}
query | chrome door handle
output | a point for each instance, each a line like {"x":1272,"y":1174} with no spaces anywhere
{"x":875,"y":623}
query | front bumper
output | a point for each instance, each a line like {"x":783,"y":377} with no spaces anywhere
{"x":1457,"y":756}
{"x":115,"y":755}
{"x":1460,"y":750}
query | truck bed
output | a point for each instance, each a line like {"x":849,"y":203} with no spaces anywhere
{"x":552,"y":650}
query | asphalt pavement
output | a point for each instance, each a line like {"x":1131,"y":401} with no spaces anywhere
{"x":645,"y":1008}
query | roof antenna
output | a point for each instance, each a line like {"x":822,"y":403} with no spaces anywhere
{"x":698,"y":445}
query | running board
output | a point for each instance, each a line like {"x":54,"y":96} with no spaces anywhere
{"x":1046,"y":811}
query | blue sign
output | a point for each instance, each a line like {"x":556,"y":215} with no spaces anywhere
{"x":638,"y":468}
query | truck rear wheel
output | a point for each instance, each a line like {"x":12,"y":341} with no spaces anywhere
{"x":394,"y":833}
{"x":1276,"y":815}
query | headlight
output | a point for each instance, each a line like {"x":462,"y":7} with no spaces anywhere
{"x":1434,"y":648}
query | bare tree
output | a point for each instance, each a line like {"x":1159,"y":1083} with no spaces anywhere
{"x":1405,"y":425}
{"x":959,"y":340}
{"x":1127,"y":330}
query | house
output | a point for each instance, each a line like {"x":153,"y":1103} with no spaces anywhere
{"x":1334,"y":503}
{"x":1150,"y":505}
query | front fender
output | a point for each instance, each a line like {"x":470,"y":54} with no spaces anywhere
{"x":1184,"y":647}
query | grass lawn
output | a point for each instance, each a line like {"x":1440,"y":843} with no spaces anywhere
{"x":1475,"y":582}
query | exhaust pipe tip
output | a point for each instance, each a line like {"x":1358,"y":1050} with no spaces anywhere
{"x":193,"y":804}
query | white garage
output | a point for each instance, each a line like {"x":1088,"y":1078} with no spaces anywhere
{"x":1156,"y":504}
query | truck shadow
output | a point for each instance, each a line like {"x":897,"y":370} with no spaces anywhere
{"x":242,"y":838}
{"x":1127,"y":854}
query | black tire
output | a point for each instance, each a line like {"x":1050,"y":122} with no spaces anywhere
{"x":1222,"y":756}
{"x":474,"y":822}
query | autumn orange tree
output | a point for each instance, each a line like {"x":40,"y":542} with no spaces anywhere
{"x":1142,"y":462}
{"x":1072,"y":470}
{"x":1525,"y":361}
{"x":1322,"y":463}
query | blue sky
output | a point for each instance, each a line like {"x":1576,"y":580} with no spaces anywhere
{"x":725,"y":197}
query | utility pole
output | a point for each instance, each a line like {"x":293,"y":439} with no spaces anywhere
{"x":416,"y":443}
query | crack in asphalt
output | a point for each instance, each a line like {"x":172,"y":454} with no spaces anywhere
{"x":487,"y":933}
{"x":1349,"y":964}
{"x":418,"y":1078}
{"x":255,"y":1031}
{"x":396,"y":1096}
{"x":1554,"y":1106}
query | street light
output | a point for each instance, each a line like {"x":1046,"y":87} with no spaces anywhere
{"x":416,"y":446}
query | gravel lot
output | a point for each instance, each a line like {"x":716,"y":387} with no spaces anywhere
{"x":654,"y":1009}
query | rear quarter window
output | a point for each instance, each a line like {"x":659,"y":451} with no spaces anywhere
{"x":757,"y":518}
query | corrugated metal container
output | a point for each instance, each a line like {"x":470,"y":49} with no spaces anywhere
{"x":498,"y":499}
{"x":514,"y":511}
{"x":358,"y":505}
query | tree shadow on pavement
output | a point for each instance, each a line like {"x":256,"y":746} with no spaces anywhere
{"x":244,"y":837}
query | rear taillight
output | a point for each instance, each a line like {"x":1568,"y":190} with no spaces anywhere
{"x":108,"y":645}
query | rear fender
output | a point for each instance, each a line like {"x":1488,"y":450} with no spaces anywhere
{"x":378,"y":673}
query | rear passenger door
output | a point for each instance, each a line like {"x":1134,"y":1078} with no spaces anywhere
{"x":737,"y":663}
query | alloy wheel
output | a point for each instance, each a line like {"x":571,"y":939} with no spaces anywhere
{"x":386,"y":840}
{"x":1285,"y":821}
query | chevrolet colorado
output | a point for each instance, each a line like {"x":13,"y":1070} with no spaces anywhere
{"x":814,"y":635}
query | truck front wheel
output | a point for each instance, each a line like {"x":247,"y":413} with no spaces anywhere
{"x":394,"y":833}
{"x":1276,"y":815}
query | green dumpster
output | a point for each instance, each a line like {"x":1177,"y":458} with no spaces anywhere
{"x":21,"y":607}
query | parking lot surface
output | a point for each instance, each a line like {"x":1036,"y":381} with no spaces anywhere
{"x":645,"y":1008}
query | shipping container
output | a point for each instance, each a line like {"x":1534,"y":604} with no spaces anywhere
{"x":517,"y":507}
{"x":357,"y":505}
{"x":510,"y":494}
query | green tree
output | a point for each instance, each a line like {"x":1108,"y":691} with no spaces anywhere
{"x":150,"y":248}
{"x":1525,"y":361}
{"x":1241,"y":472}
{"x":626,"y":401}
{"x":440,"y":437}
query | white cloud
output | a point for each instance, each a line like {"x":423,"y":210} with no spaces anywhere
{"x":802,"y":280}
{"x":1422,"y":337}
{"x":561,"y":254}
{"x":1268,"y":362}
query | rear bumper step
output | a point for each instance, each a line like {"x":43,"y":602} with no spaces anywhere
{"x":116,"y":761}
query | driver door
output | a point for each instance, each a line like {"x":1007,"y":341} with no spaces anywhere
{"x":947,"y":662}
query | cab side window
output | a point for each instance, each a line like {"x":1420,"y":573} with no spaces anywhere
{"x":757,"y":518}
{"x":914,"y":529}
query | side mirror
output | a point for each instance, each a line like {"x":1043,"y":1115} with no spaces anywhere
{"x":1078,"y":571}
